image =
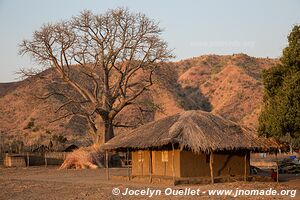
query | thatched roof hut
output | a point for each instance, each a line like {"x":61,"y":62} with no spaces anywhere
{"x":190,"y":144}
{"x":195,"y":130}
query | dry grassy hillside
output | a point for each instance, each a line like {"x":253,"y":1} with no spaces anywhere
{"x":227,"y":85}
{"x":232,"y":84}
{"x":29,"y":119}
{"x":6,"y":88}
{"x":26,"y":118}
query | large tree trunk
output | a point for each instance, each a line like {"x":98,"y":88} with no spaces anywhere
{"x":92,"y":156}
{"x":98,"y":130}
{"x":99,"y":137}
{"x":104,"y":134}
{"x":103,"y":129}
{"x":108,"y":129}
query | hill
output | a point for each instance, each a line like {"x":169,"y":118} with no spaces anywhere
{"x":227,"y":85}
{"x":232,"y":84}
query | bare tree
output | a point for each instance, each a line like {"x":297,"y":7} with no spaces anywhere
{"x":117,"y":52}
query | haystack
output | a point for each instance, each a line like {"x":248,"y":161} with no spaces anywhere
{"x":87,"y":157}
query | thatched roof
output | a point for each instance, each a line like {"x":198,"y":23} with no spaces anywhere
{"x":195,"y":130}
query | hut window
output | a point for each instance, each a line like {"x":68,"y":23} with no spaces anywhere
{"x":164,"y":156}
{"x":140,"y":156}
{"x":207,"y":158}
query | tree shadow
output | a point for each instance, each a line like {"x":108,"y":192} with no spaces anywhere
{"x":193,"y":99}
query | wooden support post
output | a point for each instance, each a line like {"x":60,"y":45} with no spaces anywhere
{"x":6,"y":159}
{"x":107,"y":167}
{"x":277,"y":169}
{"x":46,"y":163}
{"x":28,"y":159}
{"x":127,"y":162}
{"x":211,"y":166}
{"x":150,"y":166}
{"x":142,"y":162}
{"x":173,"y":164}
{"x":165,"y":168}
{"x":245,"y":166}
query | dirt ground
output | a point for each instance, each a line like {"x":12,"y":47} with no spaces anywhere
{"x":51,"y":183}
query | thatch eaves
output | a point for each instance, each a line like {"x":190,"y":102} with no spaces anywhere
{"x":195,"y":130}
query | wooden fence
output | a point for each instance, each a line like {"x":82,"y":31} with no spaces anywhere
{"x":33,"y":159}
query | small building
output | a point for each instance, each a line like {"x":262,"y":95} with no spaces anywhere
{"x":14,"y":161}
{"x":191,"y":144}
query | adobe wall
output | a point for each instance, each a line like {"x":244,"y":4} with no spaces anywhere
{"x":188,"y":164}
{"x":195,"y":165}
{"x":230,"y":164}
{"x":166,"y":168}
{"x":140,"y":167}
{"x":160,"y":168}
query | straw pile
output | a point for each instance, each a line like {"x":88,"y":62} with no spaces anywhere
{"x":195,"y":130}
{"x":82,"y":158}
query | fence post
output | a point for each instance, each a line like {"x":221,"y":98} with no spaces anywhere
{"x":5,"y":161}
{"x":28,"y":160}
{"x":107,"y":167}
{"x":245,"y":166}
{"x":277,"y":167}
{"x":127,"y":162}
{"x":46,"y":163}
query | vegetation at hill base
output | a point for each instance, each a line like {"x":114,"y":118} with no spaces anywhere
{"x":280,"y":116}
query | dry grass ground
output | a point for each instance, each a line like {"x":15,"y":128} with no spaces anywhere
{"x":51,"y":183}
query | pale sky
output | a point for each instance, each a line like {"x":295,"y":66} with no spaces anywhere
{"x":192,"y":27}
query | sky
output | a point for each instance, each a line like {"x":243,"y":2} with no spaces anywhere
{"x":191,"y":27}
